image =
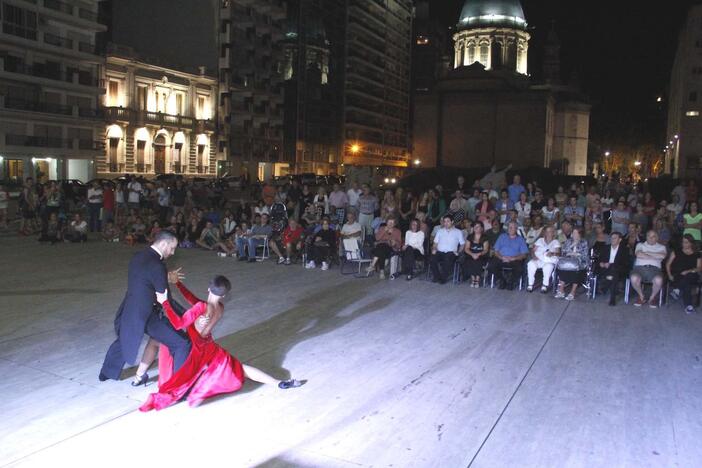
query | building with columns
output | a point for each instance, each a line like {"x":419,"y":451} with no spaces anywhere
{"x":487,"y":110}
{"x":159,"y":120}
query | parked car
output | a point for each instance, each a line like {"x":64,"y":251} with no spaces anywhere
{"x":101,"y":182}
{"x":231,"y":182}
{"x":73,"y":188}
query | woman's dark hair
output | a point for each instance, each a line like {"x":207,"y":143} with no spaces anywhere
{"x":477,"y":223}
{"x":220,"y":285}
{"x":692,"y":241}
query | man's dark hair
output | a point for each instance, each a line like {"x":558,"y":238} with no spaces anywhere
{"x":220,"y":285}
{"x":617,"y":233}
{"x":164,"y":236}
{"x":449,"y":217}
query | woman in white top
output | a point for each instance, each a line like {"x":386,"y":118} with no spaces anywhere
{"x":523,"y":208}
{"x":321,"y":202}
{"x":228,"y":225}
{"x":413,"y":248}
{"x":551,"y":213}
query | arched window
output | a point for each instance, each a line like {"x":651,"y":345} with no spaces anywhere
{"x":471,"y":53}
{"x":485,"y":54}
{"x":512,"y":55}
{"x":496,"y":56}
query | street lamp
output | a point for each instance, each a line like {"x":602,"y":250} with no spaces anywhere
{"x":417,"y":162}
{"x":355,"y":148}
{"x":607,"y":153}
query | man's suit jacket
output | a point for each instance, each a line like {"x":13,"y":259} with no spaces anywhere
{"x":147,"y":274}
{"x":622,"y":261}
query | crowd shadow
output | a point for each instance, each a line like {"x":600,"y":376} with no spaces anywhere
{"x":266,"y":344}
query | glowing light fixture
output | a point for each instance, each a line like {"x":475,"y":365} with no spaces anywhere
{"x":637,"y":163}
{"x":355,"y":148}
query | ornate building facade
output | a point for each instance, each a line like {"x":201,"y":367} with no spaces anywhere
{"x":159,"y":120}
{"x":486,"y":110}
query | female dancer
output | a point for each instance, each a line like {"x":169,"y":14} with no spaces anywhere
{"x":209,"y":369}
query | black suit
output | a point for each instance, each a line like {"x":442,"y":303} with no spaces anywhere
{"x":138,"y":315}
{"x":618,"y":270}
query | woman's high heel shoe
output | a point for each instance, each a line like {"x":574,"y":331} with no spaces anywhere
{"x":140,"y":380}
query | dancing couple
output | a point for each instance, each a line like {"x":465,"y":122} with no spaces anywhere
{"x":190,"y":362}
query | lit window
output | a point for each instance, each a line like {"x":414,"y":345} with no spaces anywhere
{"x":692,"y":113}
{"x":422,"y":40}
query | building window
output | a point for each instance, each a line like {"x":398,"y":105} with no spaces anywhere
{"x":179,"y":104}
{"x":113,"y":93}
{"x":693,"y":96}
{"x":692,"y":113}
{"x":142,"y":97}
{"x":484,"y":54}
{"x":19,"y":22}
{"x":200,"y":110}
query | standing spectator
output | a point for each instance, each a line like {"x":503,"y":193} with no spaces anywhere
{"x":388,"y":240}
{"x":367,"y":205}
{"x":388,"y":207}
{"x":108,"y":202}
{"x":620,"y":218}
{"x":472,"y":203}
{"x":294,"y":195}
{"x":27,"y":206}
{"x":446,"y":246}
{"x":164,"y":202}
{"x":4,"y":200}
{"x":94,"y":206}
{"x":693,"y":222}
{"x":321,"y":202}
{"x":134,"y":190}
{"x":53,"y":199}
{"x":477,"y":249}
{"x":510,"y":252}
{"x":353,"y":193}
{"x":679,"y":192}
{"x":408,"y":209}
{"x":178,"y":196}
{"x":691,"y":193}
{"x":120,"y":202}
{"x":515,"y":189}
{"x":647,"y":268}
{"x":413,"y":249}
{"x":338,"y":202}
{"x":683,"y":268}
{"x":545,"y":255}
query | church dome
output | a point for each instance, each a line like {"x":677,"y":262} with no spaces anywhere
{"x":492,"y":13}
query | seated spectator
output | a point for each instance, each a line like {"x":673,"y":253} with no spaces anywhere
{"x":565,"y":232}
{"x":322,"y":246}
{"x":508,"y":263}
{"x":477,"y":250}
{"x":388,"y":241}
{"x":572,"y":264}
{"x":633,"y":237}
{"x":228,"y":225}
{"x":683,"y":268}
{"x":551,"y":213}
{"x":290,"y":240}
{"x":494,"y":233}
{"x":309,"y":217}
{"x":574,"y":213}
{"x":77,"y":231}
{"x":612,"y":265}
{"x":447,"y":243}
{"x":534,"y":231}
{"x":52,"y":230}
{"x":192,"y":234}
{"x":693,"y":222}
{"x":137,"y":232}
{"x":647,"y":268}
{"x":620,"y":218}
{"x":352,"y":229}
{"x":640,"y":217}
{"x":662,"y":230}
{"x":600,"y":239}
{"x":258,"y":235}
{"x":210,"y":240}
{"x":413,"y":249}
{"x":155,"y":229}
{"x":110,"y":233}
{"x":545,"y":255}
{"x":523,"y":208}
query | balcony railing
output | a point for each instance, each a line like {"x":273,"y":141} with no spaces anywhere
{"x":57,"y":5}
{"x":117,"y":167}
{"x":157,"y":118}
{"x":34,"y":106}
{"x":58,"y":41}
{"x":40,"y":71}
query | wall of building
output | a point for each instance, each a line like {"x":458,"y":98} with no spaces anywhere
{"x":572,"y":132}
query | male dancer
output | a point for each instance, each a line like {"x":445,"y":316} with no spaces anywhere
{"x":137,"y":315}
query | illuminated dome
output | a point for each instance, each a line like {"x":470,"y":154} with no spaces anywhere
{"x":492,"y":13}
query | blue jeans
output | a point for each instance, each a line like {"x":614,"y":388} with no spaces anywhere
{"x":252,"y":243}
{"x":94,"y":210}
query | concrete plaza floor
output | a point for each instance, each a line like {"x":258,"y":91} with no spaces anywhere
{"x":400,"y":374}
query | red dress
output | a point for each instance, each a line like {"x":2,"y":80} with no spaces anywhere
{"x":209,"y":370}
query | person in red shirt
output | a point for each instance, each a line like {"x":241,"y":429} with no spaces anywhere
{"x":108,"y":202}
{"x":290,"y":239}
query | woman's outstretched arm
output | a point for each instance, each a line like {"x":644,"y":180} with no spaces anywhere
{"x":189,"y":296}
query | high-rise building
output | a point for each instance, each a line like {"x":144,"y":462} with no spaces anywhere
{"x":428,"y":49}
{"x":683,"y":156}
{"x":313,"y":70}
{"x":251,"y":67}
{"x":50,"y":126}
{"x":377,"y":83}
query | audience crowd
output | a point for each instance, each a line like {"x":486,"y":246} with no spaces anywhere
{"x":506,"y":235}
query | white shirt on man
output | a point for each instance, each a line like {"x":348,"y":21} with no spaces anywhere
{"x":449,"y":240}
{"x":613,"y":253}
{"x":415,"y":240}
{"x":95,"y":195}
{"x":134,"y":191}
{"x":351,"y":228}
{"x":655,"y":249}
{"x":353,"y":195}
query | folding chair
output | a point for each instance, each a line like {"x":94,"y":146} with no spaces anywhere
{"x":353,"y":254}
{"x":265,"y":251}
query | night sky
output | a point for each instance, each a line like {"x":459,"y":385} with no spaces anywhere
{"x":621,"y":52}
